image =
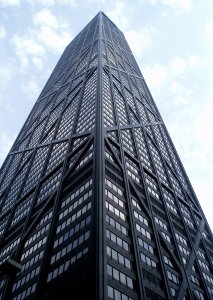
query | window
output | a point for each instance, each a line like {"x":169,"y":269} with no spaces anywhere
{"x":143,"y":231}
{"x":113,"y":254}
{"x":148,"y":261}
{"x":117,"y":240}
{"x":173,"y":277}
{"x":117,"y":225}
{"x":119,"y":276}
{"x":115,"y":294}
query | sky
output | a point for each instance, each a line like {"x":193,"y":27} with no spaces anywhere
{"x":172,"y":41}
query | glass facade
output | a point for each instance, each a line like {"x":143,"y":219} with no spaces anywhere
{"x":94,"y":200}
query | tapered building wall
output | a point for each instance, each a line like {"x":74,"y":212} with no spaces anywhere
{"x":95,"y":203}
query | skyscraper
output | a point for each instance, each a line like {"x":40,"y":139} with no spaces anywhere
{"x":95,"y":203}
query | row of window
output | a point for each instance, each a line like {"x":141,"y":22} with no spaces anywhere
{"x":34,"y":248}
{"x":15,"y":220}
{"x":26,"y":278}
{"x":201,"y":254}
{"x":75,"y":204}
{"x":74,"y":217}
{"x":11,"y":246}
{"x":202,"y":264}
{"x":162,"y":224}
{"x":116,"y":295}
{"x":114,"y":198}
{"x":32,"y":261}
{"x":62,"y":268}
{"x":117,"y":240}
{"x":117,"y":225}
{"x":133,"y":176}
{"x":135,"y":203}
{"x":120,"y":277}
{"x":119,"y":258}
{"x":153,"y":193}
{"x":108,"y":156}
{"x":180,"y":238}
{"x":199,"y":295}
{"x":44,"y":219}
{"x":84,"y":160}
{"x":115,"y":211}
{"x":210,"y":289}
{"x":37,"y":235}
{"x":22,"y":208}
{"x":171,"y":207}
{"x":72,"y":231}
{"x":114,"y":187}
{"x":52,"y":188}
{"x":188,"y":222}
{"x":145,"y":245}
{"x":207,"y":277}
{"x":148,"y":261}
{"x":167,"y":238}
{"x":141,"y":218}
{"x":167,"y":261}
{"x":143,"y":231}
{"x":77,"y":192}
{"x":25,"y":293}
{"x":173,"y":277}
{"x":195,"y":280}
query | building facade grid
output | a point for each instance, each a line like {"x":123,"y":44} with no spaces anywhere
{"x":94,"y":200}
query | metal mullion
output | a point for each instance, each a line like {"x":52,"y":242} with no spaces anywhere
{"x":8,"y":167}
{"x":13,"y":176}
{"x":155,"y":230}
{"x":97,"y":263}
{"x":129,"y":210}
{"x":149,"y":203}
{"x":139,"y":274}
{"x":43,"y":272}
{"x":9,"y":283}
{"x":5,"y":196}
{"x":167,"y":211}
{"x":6,"y":290}
{"x":168,"y":215}
{"x":122,"y":87}
{"x":171,"y":225}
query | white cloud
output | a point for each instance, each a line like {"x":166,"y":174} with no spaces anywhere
{"x":179,"y":6}
{"x":26,"y":46}
{"x":7,"y":71}
{"x":138,"y":40}
{"x":48,"y":34}
{"x":193,"y":61}
{"x":2,"y":32}
{"x":204,"y":126}
{"x":185,"y":4}
{"x":52,"y":40}
{"x":155,"y":74}
{"x":31,"y":88}
{"x":53,"y":33}
{"x":152,"y":2}
{"x":5,"y":3}
{"x":181,"y":95}
{"x":71,"y":3}
{"x":45,"y":17}
{"x":164,"y":14}
{"x":42,"y":2}
{"x":118,"y":15}
{"x":38,"y":63}
{"x":178,"y":66}
{"x":209,"y":30}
